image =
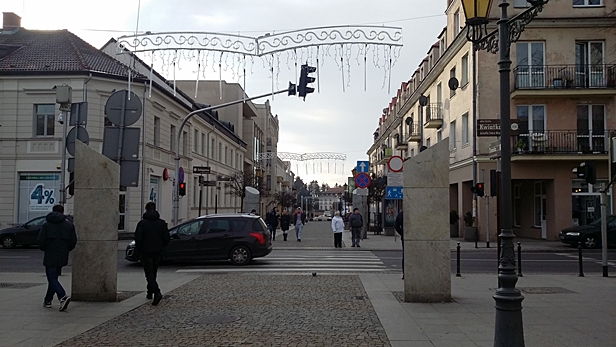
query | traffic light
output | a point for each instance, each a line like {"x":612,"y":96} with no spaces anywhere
{"x":304,"y":79}
{"x":478,"y":189}
{"x":71,"y":183}
{"x":182,"y":190}
{"x":587,"y":171}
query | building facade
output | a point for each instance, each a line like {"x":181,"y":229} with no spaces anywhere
{"x":563,"y":84}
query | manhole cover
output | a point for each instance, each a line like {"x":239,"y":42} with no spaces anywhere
{"x":20,"y":285}
{"x":216,"y":319}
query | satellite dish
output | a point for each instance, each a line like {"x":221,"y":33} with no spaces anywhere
{"x":423,"y":101}
{"x":453,"y":83}
{"x":408,"y":121}
{"x":376,"y":134}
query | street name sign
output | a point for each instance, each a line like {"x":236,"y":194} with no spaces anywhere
{"x":491,"y":127}
{"x":201,"y":170}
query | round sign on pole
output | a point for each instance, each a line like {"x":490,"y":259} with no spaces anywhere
{"x":395,"y":163}
{"x":181,"y":175}
{"x":82,"y":136}
{"x":362,"y":180}
{"x":132,"y":108}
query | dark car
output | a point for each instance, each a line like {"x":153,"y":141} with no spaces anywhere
{"x":237,"y":237}
{"x":23,"y":234}
{"x":590,"y":235}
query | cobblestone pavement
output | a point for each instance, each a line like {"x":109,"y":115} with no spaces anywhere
{"x":261,"y":310}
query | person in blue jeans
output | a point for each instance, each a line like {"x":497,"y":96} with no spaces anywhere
{"x":299,"y":218}
{"x":56,"y":238}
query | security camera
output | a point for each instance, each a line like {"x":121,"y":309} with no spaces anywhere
{"x":61,"y":118}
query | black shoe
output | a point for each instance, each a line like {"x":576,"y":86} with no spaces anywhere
{"x":47,"y":304}
{"x":157,"y":298}
{"x":353,"y":246}
{"x":149,"y":296}
{"x":300,"y":240}
{"x":358,"y":246}
{"x":64,"y":302}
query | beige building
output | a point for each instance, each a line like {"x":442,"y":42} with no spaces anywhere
{"x":563,"y":84}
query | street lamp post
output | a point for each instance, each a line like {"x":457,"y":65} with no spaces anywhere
{"x":508,"y":329}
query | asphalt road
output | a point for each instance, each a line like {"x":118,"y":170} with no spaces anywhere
{"x":30,"y":260}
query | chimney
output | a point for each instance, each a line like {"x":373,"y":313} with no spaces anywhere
{"x":10,"y":21}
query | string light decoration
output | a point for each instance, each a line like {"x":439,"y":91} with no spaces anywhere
{"x":229,"y":51}
{"x":332,"y":161}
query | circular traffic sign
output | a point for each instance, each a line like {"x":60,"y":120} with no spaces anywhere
{"x":132,"y":108}
{"x":181,"y":175}
{"x":82,"y":136}
{"x":395,"y":163}
{"x":362,"y":180}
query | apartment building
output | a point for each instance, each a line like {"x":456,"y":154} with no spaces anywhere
{"x":563,"y":84}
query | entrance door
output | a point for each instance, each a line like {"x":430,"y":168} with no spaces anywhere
{"x":541,"y":207}
{"x":589,"y":65}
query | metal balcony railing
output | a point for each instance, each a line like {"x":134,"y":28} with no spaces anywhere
{"x":564,"y":76}
{"x":560,"y":142}
{"x":414,"y":132}
{"x":433,"y":111}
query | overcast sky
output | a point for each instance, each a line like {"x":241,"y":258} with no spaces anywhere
{"x":331,"y":120}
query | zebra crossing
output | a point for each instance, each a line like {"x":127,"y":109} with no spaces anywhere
{"x":293,"y":261}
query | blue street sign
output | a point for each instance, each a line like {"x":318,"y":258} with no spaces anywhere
{"x":181,"y":175}
{"x":393,"y":193}
{"x":363,"y":166}
{"x":362,"y":180}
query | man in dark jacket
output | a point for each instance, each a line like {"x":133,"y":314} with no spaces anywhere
{"x":356,"y":222}
{"x":272,"y":222}
{"x":399,"y":226}
{"x":56,"y":238}
{"x":151,"y":237}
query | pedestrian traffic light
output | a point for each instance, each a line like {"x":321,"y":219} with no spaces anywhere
{"x":478,"y":189}
{"x":182,"y":190}
{"x":587,"y":171}
{"x":304,"y":79}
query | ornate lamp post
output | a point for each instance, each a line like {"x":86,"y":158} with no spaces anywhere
{"x":508,"y":299}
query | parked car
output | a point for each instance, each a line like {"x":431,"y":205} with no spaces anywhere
{"x":23,"y":234}
{"x":590,"y":235}
{"x":237,"y":237}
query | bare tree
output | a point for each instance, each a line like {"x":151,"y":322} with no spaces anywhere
{"x":286,"y":200}
{"x":238,"y":182}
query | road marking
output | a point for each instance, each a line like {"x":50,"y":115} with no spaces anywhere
{"x":280,"y":269}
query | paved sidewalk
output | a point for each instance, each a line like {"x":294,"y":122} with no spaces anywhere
{"x":302,"y":310}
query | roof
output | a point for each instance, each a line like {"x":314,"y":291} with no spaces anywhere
{"x":26,"y":51}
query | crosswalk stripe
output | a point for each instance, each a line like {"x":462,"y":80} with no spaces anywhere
{"x":269,"y":261}
{"x":279,"y":269}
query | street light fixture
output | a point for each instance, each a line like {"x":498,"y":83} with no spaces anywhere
{"x":508,"y":327}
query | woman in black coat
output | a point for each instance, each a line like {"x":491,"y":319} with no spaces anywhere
{"x":285,"y":221}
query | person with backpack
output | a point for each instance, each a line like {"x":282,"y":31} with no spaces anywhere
{"x":285,"y":222}
{"x":357,"y":222}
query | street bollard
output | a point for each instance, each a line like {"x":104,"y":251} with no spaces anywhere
{"x":580,"y":260}
{"x":476,"y":237}
{"x":520,"y":259}
{"x":458,"y":260}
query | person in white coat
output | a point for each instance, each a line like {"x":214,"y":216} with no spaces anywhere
{"x":338,"y":228}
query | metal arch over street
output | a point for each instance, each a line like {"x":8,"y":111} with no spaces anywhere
{"x":303,"y":156}
{"x":261,"y":45}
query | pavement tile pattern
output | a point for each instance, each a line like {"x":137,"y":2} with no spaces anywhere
{"x":254,"y":310}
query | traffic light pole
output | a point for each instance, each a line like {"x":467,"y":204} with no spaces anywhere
{"x":176,"y":196}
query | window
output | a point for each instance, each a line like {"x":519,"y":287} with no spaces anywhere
{"x":220,"y":151}
{"x":531,"y":126}
{"x":184,"y":143}
{"x":196,"y":141}
{"x":428,"y":142}
{"x":203,"y":144}
{"x":443,"y":45}
{"x":412,"y":152}
{"x":456,"y":23}
{"x":218,"y":226}
{"x":172,"y":139}
{"x":530,"y":58}
{"x":192,"y":228}
{"x":156,"y":131}
{"x":196,"y":191}
{"x":439,"y":135}
{"x":44,"y":119}
{"x":464,"y":70}
{"x":452,"y":73}
{"x":452,"y":136}
{"x":517,"y":205}
{"x":212,"y":147}
{"x":591,"y":128}
{"x":589,"y":68}
{"x":465,"y":129}
{"x":520,"y":3}
{"x":587,"y":3}
{"x":540,"y":202}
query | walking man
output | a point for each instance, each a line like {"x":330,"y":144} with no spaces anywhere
{"x":357,"y":222}
{"x":151,"y":237}
{"x":299,"y":218}
{"x":272,"y":222}
{"x":56,"y":238}
{"x":399,"y":226}
{"x":338,"y":228}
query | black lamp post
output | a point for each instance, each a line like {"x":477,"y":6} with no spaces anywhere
{"x":508,"y":330}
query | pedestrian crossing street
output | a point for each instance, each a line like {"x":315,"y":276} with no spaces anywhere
{"x":293,"y":261}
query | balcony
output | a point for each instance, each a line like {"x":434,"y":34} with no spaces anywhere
{"x":434,"y":116}
{"x":564,"y":80}
{"x":401,"y":145}
{"x":560,"y":142}
{"x":414,"y":133}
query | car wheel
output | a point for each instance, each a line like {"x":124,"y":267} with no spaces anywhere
{"x":8,"y":242}
{"x":240,"y":255}
{"x":590,"y":241}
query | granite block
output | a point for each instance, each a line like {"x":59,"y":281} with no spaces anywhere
{"x":427,"y":271}
{"x":94,"y":170}
{"x":429,"y":168}
{"x":426,"y":216}
{"x":96,"y":214}
{"x":95,"y":270}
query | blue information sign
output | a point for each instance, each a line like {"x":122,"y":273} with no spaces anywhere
{"x":393,"y":193}
{"x":363,"y":166}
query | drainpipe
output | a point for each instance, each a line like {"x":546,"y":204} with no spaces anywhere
{"x":474,"y":127}
{"x":143,"y":124}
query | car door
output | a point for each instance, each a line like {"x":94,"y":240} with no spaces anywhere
{"x":184,"y":242}
{"x":30,"y":231}
{"x":215,"y":239}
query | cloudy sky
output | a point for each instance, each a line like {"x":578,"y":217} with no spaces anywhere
{"x":340,"y":117}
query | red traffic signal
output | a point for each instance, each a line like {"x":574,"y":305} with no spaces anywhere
{"x":182,"y":189}
{"x":478,"y":189}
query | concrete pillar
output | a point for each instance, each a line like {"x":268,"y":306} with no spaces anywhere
{"x":427,"y":259}
{"x":97,"y":183}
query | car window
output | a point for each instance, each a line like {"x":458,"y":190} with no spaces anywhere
{"x":258,"y":225}
{"x":612,"y":223}
{"x":218,"y":225}
{"x":191,"y":228}
{"x":238,"y":224}
{"x":37,"y":221}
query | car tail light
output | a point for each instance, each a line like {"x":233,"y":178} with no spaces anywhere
{"x":259,"y":237}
